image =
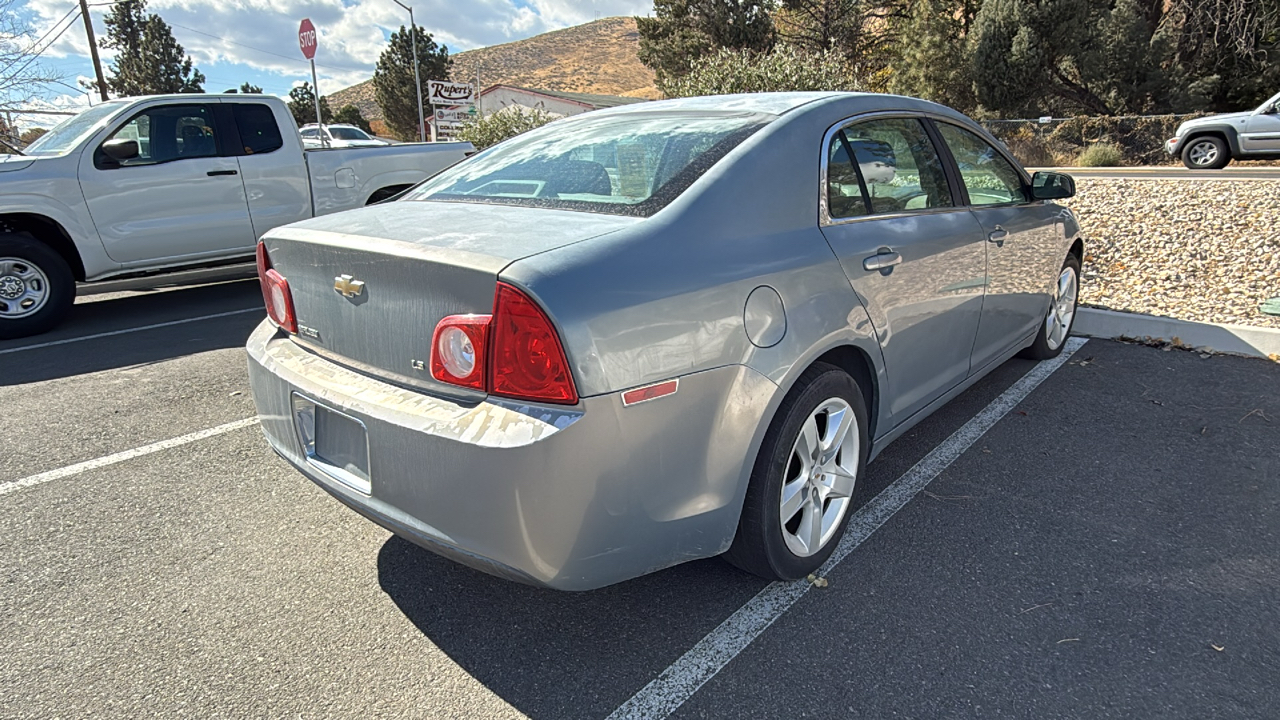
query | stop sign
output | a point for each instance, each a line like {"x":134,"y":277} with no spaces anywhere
{"x":307,"y":38}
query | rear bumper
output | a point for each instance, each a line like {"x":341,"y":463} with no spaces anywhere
{"x":571,"y":498}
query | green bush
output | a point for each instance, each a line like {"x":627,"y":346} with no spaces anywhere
{"x":1100,"y":155}
{"x":783,"y":69}
{"x":489,"y":130}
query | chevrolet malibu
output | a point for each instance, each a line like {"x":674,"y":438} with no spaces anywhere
{"x":659,"y":332}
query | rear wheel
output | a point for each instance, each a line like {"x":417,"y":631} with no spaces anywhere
{"x":36,"y":287}
{"x":1063,"y":300}
{"x":802,"y":488}
{"x":1206,"y":153}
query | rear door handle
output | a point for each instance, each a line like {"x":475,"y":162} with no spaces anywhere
{"x":998,"y":235}
{"x":213,"y":173}
{"x":881,"y":261}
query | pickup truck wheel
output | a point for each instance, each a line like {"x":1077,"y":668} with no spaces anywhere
{"x":36,"y":287}
{"x":1206,"y":153}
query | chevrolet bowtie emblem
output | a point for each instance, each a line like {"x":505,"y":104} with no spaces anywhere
{"x":348,"y":286}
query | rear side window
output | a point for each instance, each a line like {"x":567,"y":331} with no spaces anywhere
{"x":987,"y":175}
{"x":259,"y":131}
{"x":884,"y":166}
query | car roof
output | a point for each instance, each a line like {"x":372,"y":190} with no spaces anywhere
{"x":768,"y":103}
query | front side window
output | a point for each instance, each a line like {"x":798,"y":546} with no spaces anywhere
{"x":987,"y":175}
{"x":168,"y":133}
{"x":259,"y":132}
{"x":894,"y":168}
{"x":626,"y":164}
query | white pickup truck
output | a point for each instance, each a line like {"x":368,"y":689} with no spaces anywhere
{"x":172,"y":182}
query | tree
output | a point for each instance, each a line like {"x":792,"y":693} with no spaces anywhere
{"x":246,"y":89}
{"x":32,"y":135}
{"x":682,"y":31}
{"x":488,"y":130}
{"x":785,"y":68}
{"x":21,"y":74}
{"x":351,"y":115}
{"x":1224,"y":52}
{"x":148,"y":60}
{"x":302,"y":105}
{"x":393,"y":86}
{"x":930,"y":58}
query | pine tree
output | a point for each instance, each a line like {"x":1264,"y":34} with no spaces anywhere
{"x":682,"y":31}
{"x":245,"y":89}
{"x":149,"y":61}
{"x":302,"y":105}
{"x":393,"y":78}
{"x":929,"y":58}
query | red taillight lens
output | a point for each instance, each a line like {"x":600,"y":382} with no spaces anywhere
{"x":458,"y":350}
{"x":275,"y":293}
{"x":526,"y":360}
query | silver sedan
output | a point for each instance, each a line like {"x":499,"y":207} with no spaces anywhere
{"x":659,"y":332}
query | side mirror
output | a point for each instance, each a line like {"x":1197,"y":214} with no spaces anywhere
{"x":1052,"y":186}
{"x":121,"y":149}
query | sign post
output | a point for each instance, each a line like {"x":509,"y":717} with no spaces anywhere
{"x":307,"y":42}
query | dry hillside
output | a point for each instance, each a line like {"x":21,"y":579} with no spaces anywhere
{"x":596,"y":57}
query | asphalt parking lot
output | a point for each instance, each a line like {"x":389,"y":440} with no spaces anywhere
{"x":1109,"y":547}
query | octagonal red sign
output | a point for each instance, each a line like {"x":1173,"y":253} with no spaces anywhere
{"x":307,"y":38}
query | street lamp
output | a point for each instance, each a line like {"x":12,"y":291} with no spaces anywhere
{"x":413,"y":39}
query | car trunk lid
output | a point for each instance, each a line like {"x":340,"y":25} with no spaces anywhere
{"x":370,"y":285}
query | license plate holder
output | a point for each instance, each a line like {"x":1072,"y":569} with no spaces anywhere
{"x":334,"y":442}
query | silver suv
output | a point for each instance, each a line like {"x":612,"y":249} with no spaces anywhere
{"x":1209,"y":143}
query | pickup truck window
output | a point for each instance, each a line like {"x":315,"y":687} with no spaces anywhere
{"x":259,"y":132}
{"x":167,"y":133}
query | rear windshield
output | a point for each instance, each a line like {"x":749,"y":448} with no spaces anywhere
{"x":628,"y":164}
{"x":348,"y":133}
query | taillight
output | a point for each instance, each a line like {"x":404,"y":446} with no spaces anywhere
{"x":458,"y":350}
{"x":526,"y":359}
{"x":514,"y":353}
{"x":275,"y":293}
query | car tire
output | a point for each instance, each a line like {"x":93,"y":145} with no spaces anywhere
{"x":1061,"y":317}
{"x":1206,"y":152}
{"x":787,"y":548}
{"x":37,"y":288}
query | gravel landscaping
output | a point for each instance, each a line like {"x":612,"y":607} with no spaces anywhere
{"x":1201,"y":250}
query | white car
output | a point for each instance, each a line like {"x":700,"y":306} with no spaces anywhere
{"x":149,"y":185}
{"x":337,"y":136}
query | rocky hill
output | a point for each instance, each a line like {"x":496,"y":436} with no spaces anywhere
{"x":596,"y":57}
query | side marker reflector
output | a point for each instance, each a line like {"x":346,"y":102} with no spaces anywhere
{"x":650,"y":392}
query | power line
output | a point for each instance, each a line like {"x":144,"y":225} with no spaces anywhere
{"x":42,"y":37}
{"x":268,"y":52}
{"x":37,"y":55}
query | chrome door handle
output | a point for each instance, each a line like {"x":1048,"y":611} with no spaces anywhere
{"x":881,"y":261}
{"x":998,"y":235}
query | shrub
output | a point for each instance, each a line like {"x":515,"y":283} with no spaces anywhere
{"x":783,"y":69}
{"x":1100,"y":155}
{"x":489,"y":130}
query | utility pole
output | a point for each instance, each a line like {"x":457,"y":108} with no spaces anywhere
{"x":417,"y":82}
{"x":93,"y":49}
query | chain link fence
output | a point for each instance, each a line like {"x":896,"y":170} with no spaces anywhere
{"x":1054,"y":142}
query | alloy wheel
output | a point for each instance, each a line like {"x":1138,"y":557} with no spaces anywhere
{"x":24,"y":288}
{"x":820,"y":475}
{"x":1203,"y":153}
{"x":1062,"y":308}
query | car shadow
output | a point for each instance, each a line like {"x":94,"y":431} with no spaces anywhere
{"x":71,"y":349}
{"x":553,"y":654}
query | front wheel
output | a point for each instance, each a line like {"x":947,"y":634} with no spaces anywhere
{"x":802,"y":487}
{"x":1063,"y":301}
{"x":36,"y":287}
{"x":1206,"y":153}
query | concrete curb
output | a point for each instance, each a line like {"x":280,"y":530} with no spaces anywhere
{"x":1235,"y":339}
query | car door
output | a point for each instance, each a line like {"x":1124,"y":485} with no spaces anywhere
{"x":273,"y":171}
{"x":914,"y":256}
{"x":1262,"y":130}
{"x":179,"y":198}
{"x":1021,"y":248}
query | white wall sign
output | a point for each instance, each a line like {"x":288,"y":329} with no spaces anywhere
{"x":455,"y":116}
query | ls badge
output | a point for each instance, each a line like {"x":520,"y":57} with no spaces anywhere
{"x":348,"y":286}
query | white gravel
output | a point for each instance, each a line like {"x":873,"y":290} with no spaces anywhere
{"x":1201,"y":250}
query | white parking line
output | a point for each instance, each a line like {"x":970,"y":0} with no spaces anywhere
{"x":87,"y":465}
{"x":703,"y":661}
{"x":130,"y":330}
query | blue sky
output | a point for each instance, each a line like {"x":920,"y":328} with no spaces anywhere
{"x":234,"y":41}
